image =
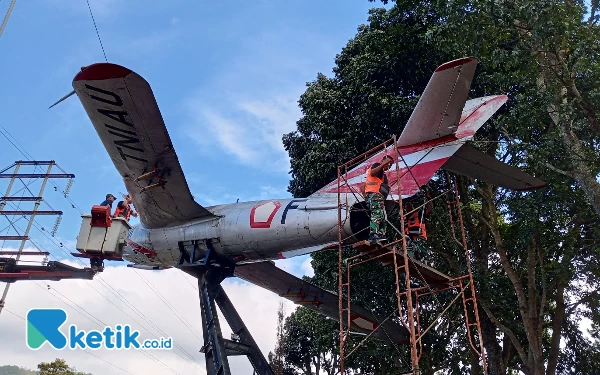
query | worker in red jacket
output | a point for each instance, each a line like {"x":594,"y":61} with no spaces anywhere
{"x":124,"y":208}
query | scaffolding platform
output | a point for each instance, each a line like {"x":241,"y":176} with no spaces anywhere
{"x":418,"y":270}
{"x":397,"y":255}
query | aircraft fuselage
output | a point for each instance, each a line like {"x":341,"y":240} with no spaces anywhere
{"x":252,"y":231}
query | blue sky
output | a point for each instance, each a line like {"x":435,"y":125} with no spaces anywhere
{"x":226,"y":76}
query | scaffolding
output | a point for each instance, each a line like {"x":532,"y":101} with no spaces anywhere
{"x":396,"y":254}
{"x":10,"y":269}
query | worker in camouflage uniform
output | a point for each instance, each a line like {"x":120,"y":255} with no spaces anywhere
{"x":376,"y":191}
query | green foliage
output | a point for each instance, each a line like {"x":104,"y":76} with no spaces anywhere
{"x":16,"y":370}
{"x":57,"y":367}
{"x":535,"y":255}
{"x":378,"y":76}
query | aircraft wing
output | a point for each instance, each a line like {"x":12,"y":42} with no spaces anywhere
{"x":439,"y":109}
{"x":268,"y":276}
{"x":473,"y":163}
{"x":122,"y":108}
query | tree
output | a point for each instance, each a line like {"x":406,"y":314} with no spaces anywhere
{"x":311,"y":343}
{"x":57,"y":367}
{"x":276,"y":359}
{"x":536,"y":255}
{"x":16,"y":370}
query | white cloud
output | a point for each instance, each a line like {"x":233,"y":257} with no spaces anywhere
{"x":150,"y":314}
{"x":297,"y":266}
{"x":278,"y":115}
{"x":250,"y":130}
{"x":221,"y":193}
{"x":232,"y":137}
{"x":307,"y":267}
{"x":247,"y":108}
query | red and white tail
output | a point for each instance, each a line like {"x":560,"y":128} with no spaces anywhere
{"x":441,"y":123}
{"x":419,"y":162}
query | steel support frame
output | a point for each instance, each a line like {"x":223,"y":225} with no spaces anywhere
{"x":11,"y":272}
{"x":412,"y":320}
{"x":210,"y":273}
{"x":15,"y":175}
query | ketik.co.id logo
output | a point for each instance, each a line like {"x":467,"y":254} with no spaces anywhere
{"x":43,"y":325}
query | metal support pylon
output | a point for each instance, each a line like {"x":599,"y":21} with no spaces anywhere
{"x":244,"y":343}
{"x":217,"y":349}
{"x":15,"y":175}
{"x":214,"y":346}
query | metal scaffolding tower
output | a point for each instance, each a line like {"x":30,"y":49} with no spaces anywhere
{"x":13,"y":200}
{"x":406,"y":268}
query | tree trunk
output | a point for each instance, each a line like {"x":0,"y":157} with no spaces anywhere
{"x":492,"y":348}
{"x":307,"y":365}
{"x":581,"y":171}
{"x":533,"y":362}
{"x":481,"y":253}
{"x":508,"y":350}
{"x":557,"y":323}
{"x":475,"y":367}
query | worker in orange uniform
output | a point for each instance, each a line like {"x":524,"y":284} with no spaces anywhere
{"x":376,"y":191}
{"x":124,"y":208}
{"x":415,"y":229}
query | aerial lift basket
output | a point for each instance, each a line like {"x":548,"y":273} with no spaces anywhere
{"x":103,"y":236}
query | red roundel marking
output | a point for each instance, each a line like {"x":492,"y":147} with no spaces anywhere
{"x":262,"y":214}
{"x":102,"y":71}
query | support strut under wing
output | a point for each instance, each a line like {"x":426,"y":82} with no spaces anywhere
{"x":268,"y":276}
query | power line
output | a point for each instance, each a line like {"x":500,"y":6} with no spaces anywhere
{"x":28,"y":156}
{"x":98,"y":322}
{"x":109,"y":287}
{"x":126,"y":301}
{"x":5,"y":21}
{"x":17,"y":315}
{"x":102,"y":324}
{"x":105,"y":361}
{"x":117,"y":294}
{"x":168,"y":304}
{"x":188,"y":281}
{"x":85,"y":351}
{"x":61,"y":246}
{"x":96,"y":27}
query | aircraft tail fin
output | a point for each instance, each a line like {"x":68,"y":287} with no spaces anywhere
{"x":441,"y":123}
{"x":420,"y":161}
{"x":438,"y":111}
